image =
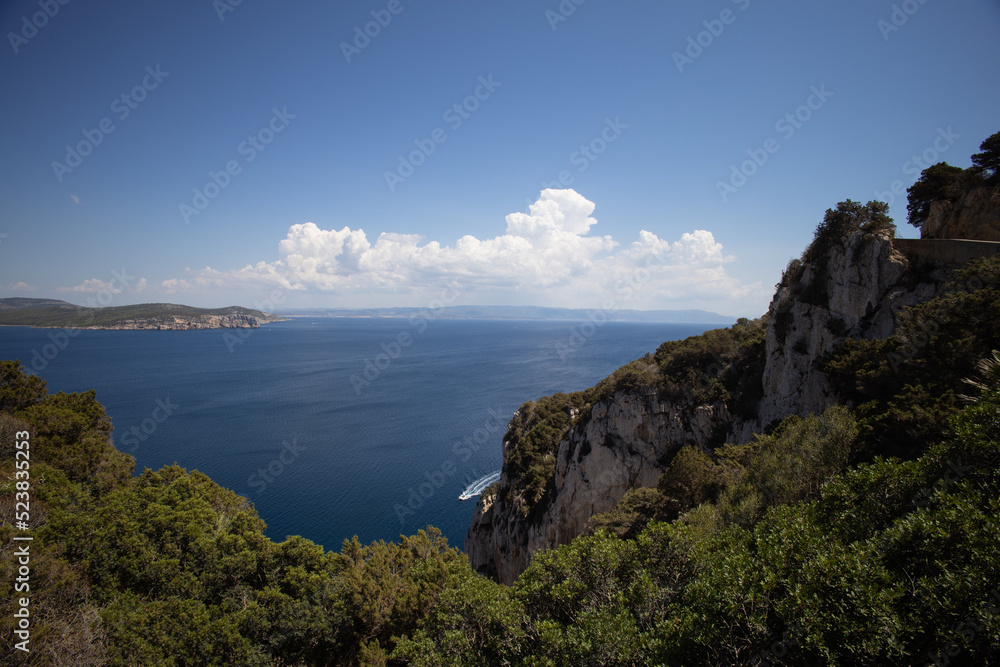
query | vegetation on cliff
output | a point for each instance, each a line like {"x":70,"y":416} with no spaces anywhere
{"x":906,"y":387}
{"x":718,"y":366}
{"x":897,"y":394}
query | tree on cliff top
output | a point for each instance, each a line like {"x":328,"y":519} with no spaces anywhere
{"x":988,"y":162}
{"x":935,"y":184}
{"x":943,"y":182}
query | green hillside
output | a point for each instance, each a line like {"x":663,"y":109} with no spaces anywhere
{"x":23,"y":302}
{"x":62,"y":314}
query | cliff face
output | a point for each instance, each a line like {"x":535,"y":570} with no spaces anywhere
{"x":866,"y":282}
{"x":628,"y":440}
{"x":976,"y":215}
{"x":626,"y":443}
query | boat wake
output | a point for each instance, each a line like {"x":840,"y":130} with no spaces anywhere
{"x":480,"y":485}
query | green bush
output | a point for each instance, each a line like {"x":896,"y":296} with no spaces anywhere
{"x":533,"y":437}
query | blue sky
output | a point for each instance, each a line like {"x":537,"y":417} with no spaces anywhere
{"x":637,"y":221}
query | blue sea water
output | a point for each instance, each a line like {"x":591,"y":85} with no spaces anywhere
{"x":273,"y":413}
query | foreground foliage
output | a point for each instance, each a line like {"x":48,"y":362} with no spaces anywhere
{"x":780,"y":553}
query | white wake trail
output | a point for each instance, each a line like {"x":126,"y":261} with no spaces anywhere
{"x":480,"y":485}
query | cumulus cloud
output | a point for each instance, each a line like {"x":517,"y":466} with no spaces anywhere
{"x":19,"y":286}
{"x":119,"y":283}
{"x":93,"y":285}
{"x":545,"y":256}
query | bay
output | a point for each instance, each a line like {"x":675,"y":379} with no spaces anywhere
{"x":273,"y":413}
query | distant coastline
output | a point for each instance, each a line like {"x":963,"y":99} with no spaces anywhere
{"x":54,"y":314}
{"x":539,"y":313}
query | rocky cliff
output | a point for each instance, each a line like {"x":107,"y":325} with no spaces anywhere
{"x":857,"y":293}
{"x":626,"y":442}
{"x":974,"y":215}
{"x":849,"y":284}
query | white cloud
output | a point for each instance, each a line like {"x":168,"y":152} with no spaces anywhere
{"x":113,"y":286}
{"x":93,"y":285}
{"x":544,"y":257}
{"x":19,"y":287}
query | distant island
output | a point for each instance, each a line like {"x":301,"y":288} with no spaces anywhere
{"x":693,"y":316}
{"x":53,"y":313}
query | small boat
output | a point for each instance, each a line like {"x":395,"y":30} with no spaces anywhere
{"x":476,"y":488}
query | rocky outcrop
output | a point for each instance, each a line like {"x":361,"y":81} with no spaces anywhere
{"x":975,"y":216}
{"x":863,"y":286}
{"x":628,"y":440}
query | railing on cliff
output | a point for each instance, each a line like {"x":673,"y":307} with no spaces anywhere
{"x":954,"y":251}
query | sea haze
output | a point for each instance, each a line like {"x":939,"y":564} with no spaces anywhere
{"x":339,"y":457}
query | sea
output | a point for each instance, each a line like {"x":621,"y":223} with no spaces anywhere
{"x":334,"y":427}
